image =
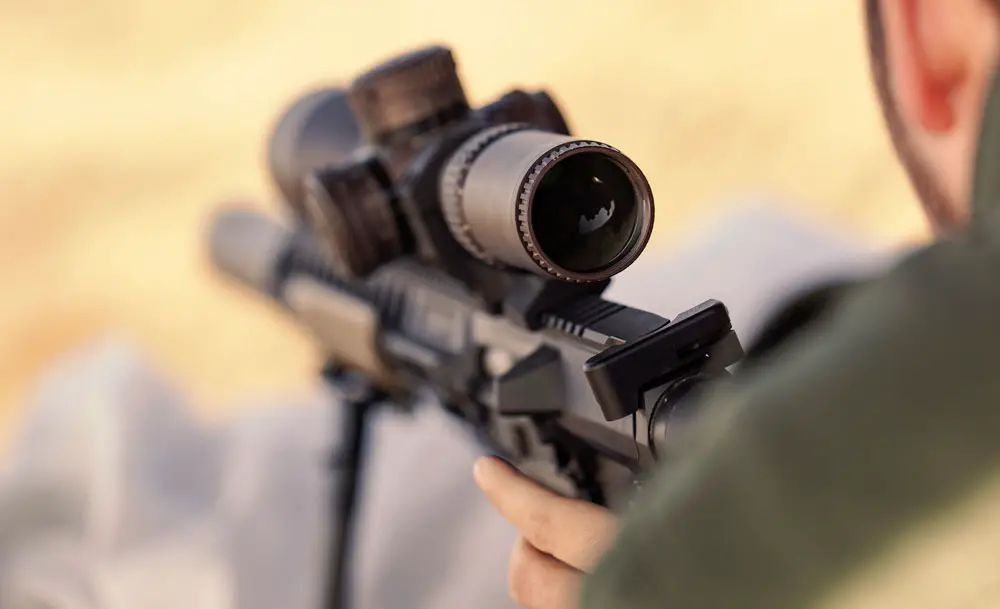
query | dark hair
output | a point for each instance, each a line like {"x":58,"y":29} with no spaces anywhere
{"x":873,"y":21}
{"x":879,"y":67}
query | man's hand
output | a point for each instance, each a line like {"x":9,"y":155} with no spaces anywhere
{"x":559,"y":539}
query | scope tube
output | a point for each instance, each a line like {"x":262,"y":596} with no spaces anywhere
{"x":572,"y":209}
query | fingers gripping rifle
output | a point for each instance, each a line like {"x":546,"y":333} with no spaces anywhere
{"x":439,"y":249}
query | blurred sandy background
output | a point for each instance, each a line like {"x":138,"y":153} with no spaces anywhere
{"x":124,"y":121}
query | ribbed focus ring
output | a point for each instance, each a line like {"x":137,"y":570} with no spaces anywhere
{"x":524,"y":204}
{"x":453,"y":183}
{"x":407,"y":90}
{"x":353,"y":212}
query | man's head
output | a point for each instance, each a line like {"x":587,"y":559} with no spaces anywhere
{"x":933,"y":64}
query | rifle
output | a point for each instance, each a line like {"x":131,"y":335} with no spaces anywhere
{"x":439,"y":250}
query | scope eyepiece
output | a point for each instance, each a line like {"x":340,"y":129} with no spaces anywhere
{"x":573,"y":209}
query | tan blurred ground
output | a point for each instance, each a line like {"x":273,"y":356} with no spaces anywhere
{"x":123,"y":121}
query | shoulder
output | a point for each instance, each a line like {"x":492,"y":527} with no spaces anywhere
{"x":858,"y":431}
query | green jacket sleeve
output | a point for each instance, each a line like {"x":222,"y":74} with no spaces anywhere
{"x":819,"y":460}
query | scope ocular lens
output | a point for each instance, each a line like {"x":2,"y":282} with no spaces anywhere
{"x":585,"y":212}
{"x":576,"y":210}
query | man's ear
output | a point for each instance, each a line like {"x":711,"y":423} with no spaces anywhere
{"x":934,"y":57}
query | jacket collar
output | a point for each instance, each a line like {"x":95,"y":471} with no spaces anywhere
{"x":986,"y":177}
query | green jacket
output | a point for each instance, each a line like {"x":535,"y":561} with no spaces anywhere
{"x":856,"y":465}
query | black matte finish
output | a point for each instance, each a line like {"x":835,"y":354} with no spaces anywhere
{"x":537,"y":109}
{"x":531,"y":297}
{"x":620,"y":375}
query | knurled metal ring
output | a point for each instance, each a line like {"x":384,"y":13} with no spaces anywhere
{"x":524,"y":204}
{"x":453,"y":185}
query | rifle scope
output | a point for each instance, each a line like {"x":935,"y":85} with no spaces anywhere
{"x":510,"y":184}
